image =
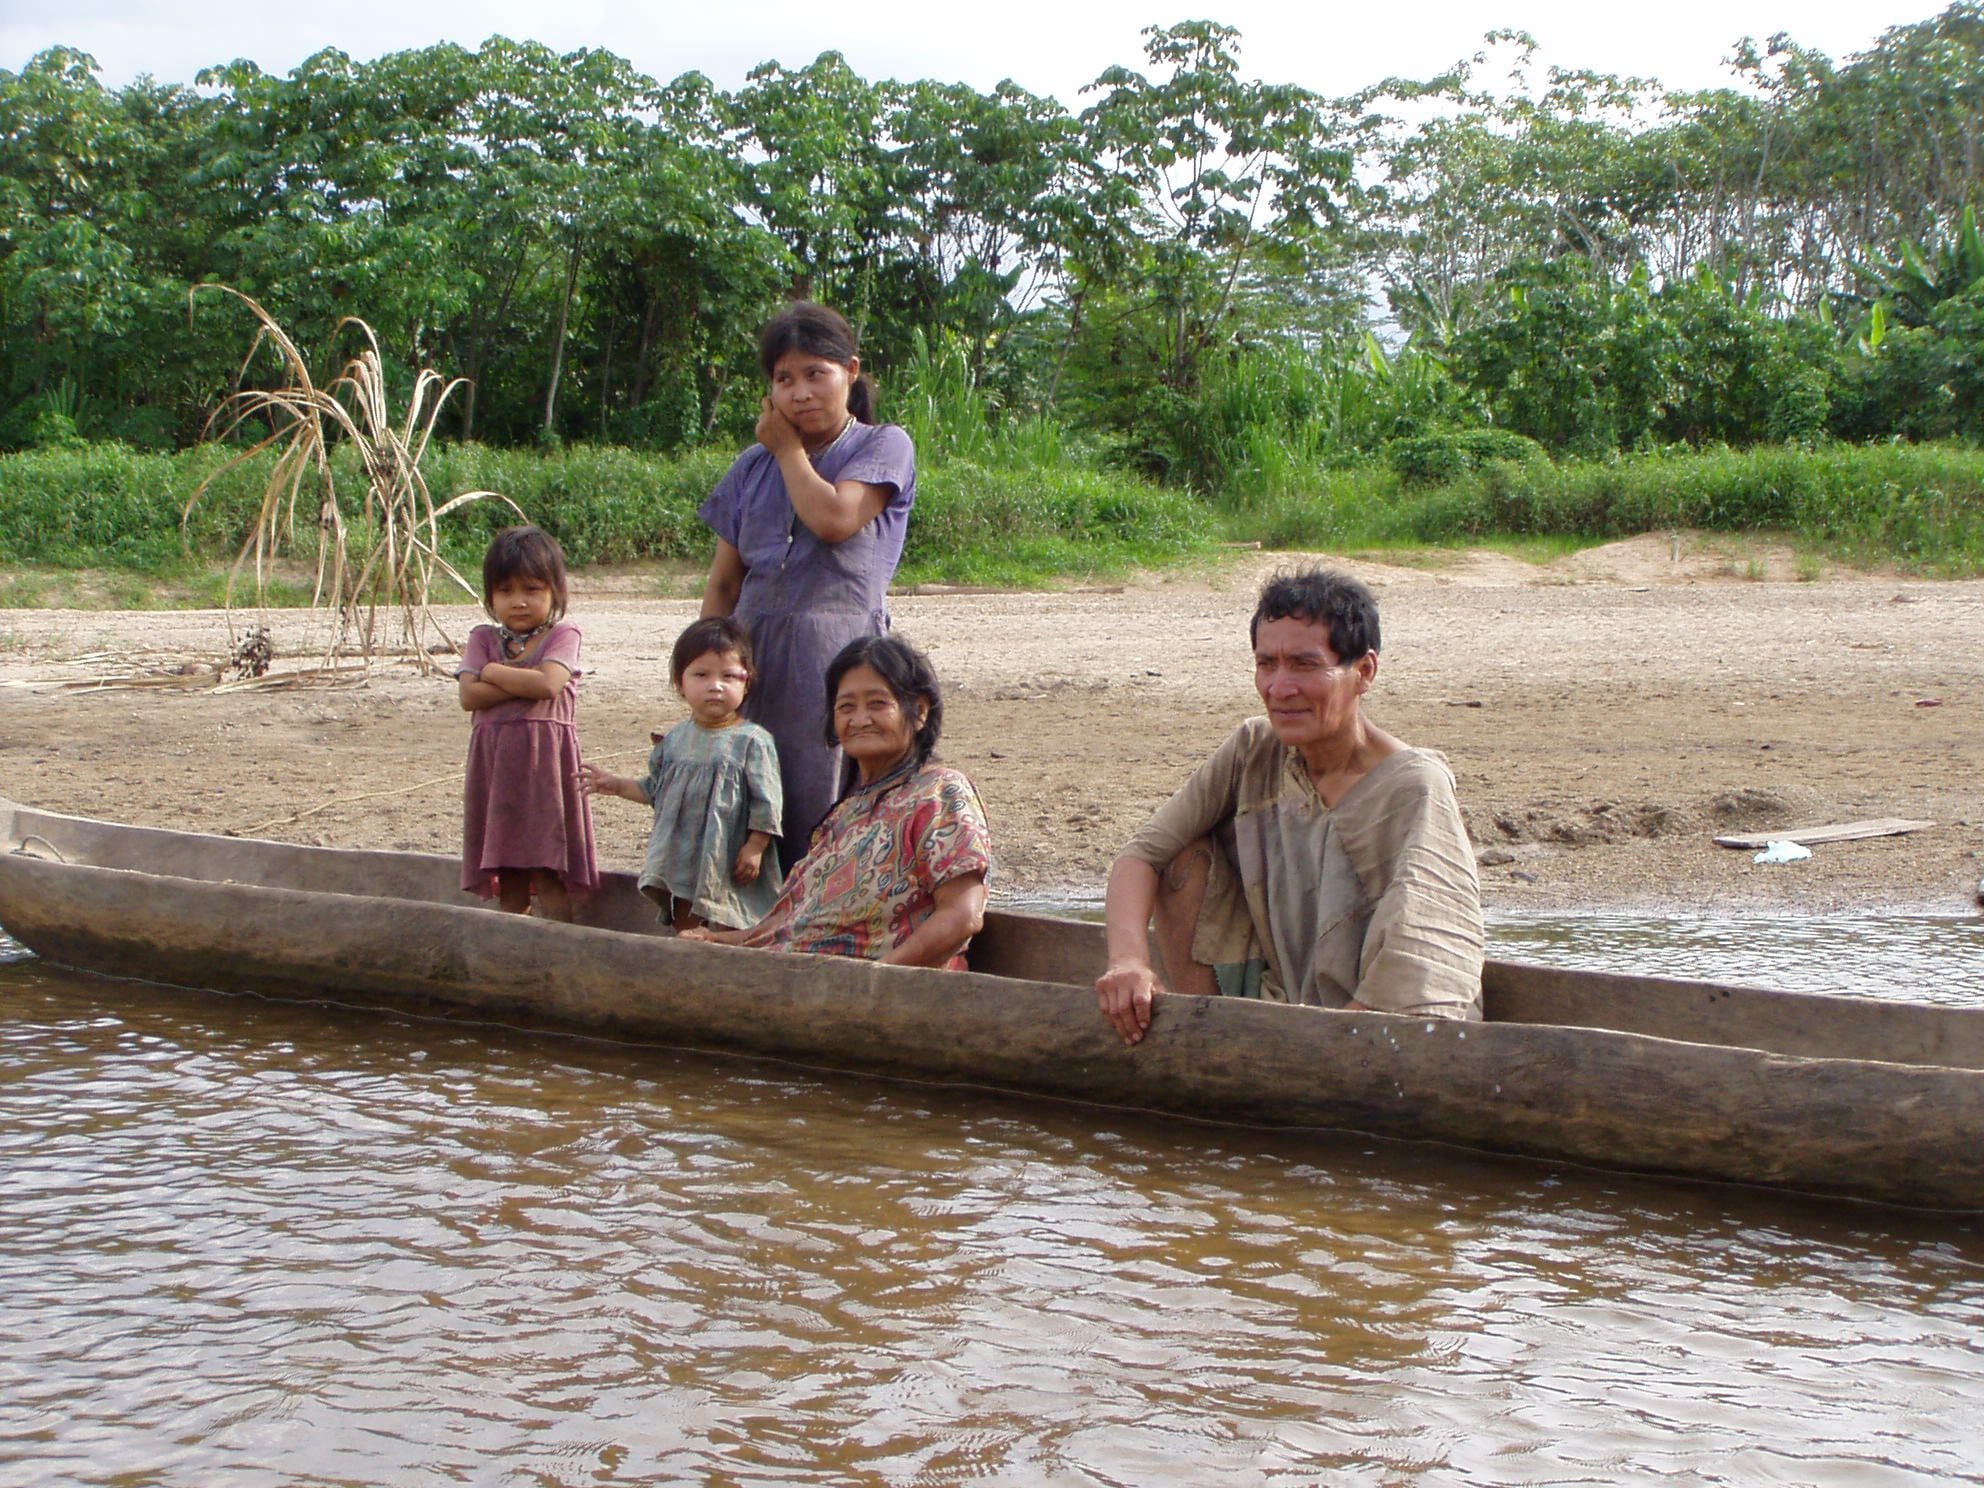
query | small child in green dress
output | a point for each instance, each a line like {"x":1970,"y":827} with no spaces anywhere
{"x":714,"y":785}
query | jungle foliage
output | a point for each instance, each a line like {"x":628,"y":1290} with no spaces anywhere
{"x":1236,"y":287}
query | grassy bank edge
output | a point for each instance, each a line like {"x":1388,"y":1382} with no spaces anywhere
{"x":100,"y":527}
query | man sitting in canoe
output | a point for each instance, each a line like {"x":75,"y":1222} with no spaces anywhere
{"x":1314,"y":858}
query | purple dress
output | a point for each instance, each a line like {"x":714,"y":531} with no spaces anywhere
{"x":522,"y":806}
{"x":804,"y":599}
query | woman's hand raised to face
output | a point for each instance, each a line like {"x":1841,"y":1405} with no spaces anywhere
{"x":776,"y":432}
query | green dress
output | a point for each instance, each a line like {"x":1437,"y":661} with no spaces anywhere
{"x":712,"y":788}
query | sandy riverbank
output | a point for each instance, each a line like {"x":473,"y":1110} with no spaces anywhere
{"x":1606,"y":715}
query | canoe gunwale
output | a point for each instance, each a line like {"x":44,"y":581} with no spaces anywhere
{"x":1041,"y":948}
{"x":1599,"y":1097}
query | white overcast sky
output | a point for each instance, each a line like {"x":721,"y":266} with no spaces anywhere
{"x":1049,"y":46}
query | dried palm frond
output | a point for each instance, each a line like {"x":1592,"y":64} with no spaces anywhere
{"x":399,"y":568}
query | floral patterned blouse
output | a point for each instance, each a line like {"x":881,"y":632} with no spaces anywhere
{"x":876,"y":863}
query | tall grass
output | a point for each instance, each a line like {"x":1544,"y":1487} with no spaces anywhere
{"x":951,"y":416}
{"x":1017,"y":525}
{"x":1919,"y":506}
{"x":108,"y":506}
{"x":603,"y":503}
{"x":1269,"y":418}
{"x":1004,"y":522}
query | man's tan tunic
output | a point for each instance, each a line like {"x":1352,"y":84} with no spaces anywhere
{"x":1375,"y":898}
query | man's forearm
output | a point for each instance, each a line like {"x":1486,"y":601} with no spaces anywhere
{"x":1127,"y":906}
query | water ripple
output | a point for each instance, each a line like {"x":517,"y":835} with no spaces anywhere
{"x":1913,"y":958}
{"x":248,"y":1243}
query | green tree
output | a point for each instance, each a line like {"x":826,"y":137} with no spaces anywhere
{"x":1478,"y":176}
{"x":988,"y":182}
{"x":1919,"y":278}
{"x":679,"y":278}
{"x":820,"y":176}
{"x":1740,"y":375}
{"x":1228,"y":170}
{"x":324,"y":223}
{"x":90,"y":188}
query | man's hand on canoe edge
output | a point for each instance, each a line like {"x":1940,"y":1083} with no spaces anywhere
{"x":1124,"y":991}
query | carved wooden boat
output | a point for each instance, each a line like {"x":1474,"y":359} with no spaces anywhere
{"x":1836,"y":1095}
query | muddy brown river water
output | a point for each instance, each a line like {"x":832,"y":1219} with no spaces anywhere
{"x":246,"y":1242}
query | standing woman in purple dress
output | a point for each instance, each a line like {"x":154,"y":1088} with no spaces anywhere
{"x":810,"y":524}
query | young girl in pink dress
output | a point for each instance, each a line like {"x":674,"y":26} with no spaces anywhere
{"x":527,"y":828}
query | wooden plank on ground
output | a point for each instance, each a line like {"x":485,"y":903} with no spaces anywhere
{"x":1887,"y":826}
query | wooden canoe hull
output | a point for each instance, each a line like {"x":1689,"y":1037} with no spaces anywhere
{"x":1896,"y":1132}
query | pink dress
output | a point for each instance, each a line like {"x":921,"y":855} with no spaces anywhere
{"x":522,"y":806}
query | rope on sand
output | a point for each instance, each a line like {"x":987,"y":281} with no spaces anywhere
{"x":297,"y":816}
{"x":452,"y":776}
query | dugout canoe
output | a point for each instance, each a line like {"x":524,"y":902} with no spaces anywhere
{"x":1849,"y":1096}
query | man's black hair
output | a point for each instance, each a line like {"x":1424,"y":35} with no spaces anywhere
{"x":1326,"y":597}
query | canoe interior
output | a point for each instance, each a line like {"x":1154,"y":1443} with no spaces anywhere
{"x":1038,"y":948}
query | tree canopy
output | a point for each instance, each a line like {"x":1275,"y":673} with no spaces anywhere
{"x":1587,"y":260}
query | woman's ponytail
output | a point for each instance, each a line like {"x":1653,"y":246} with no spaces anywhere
{"x":861,"y":399}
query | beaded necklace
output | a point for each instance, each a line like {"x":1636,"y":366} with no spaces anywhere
{"x":833,"y":444}
{"x":515,"y":643}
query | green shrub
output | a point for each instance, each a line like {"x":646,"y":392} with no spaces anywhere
{"x":53,"y":430}
{"x":985,"y":524}
{"x":603,"y":503}
{"x":110,"y":506}
{"x":1432,"y":459}
{"x":1925,"y":382}
{"x":153,"y":429}
{"x":1270,"y":416}
{"x":1010,"y":520}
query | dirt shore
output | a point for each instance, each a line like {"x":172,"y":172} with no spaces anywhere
{"x":1606,"y":715}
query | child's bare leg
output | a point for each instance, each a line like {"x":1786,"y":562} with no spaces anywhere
{"x":553,"y":903}
{"x":513,"y":890}
{"x":685,"y":916}
{"x":1181,"y":894}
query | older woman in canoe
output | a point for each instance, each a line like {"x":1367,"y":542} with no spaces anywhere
{"x":1314,"y":858}
{"x":896,"y":872}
